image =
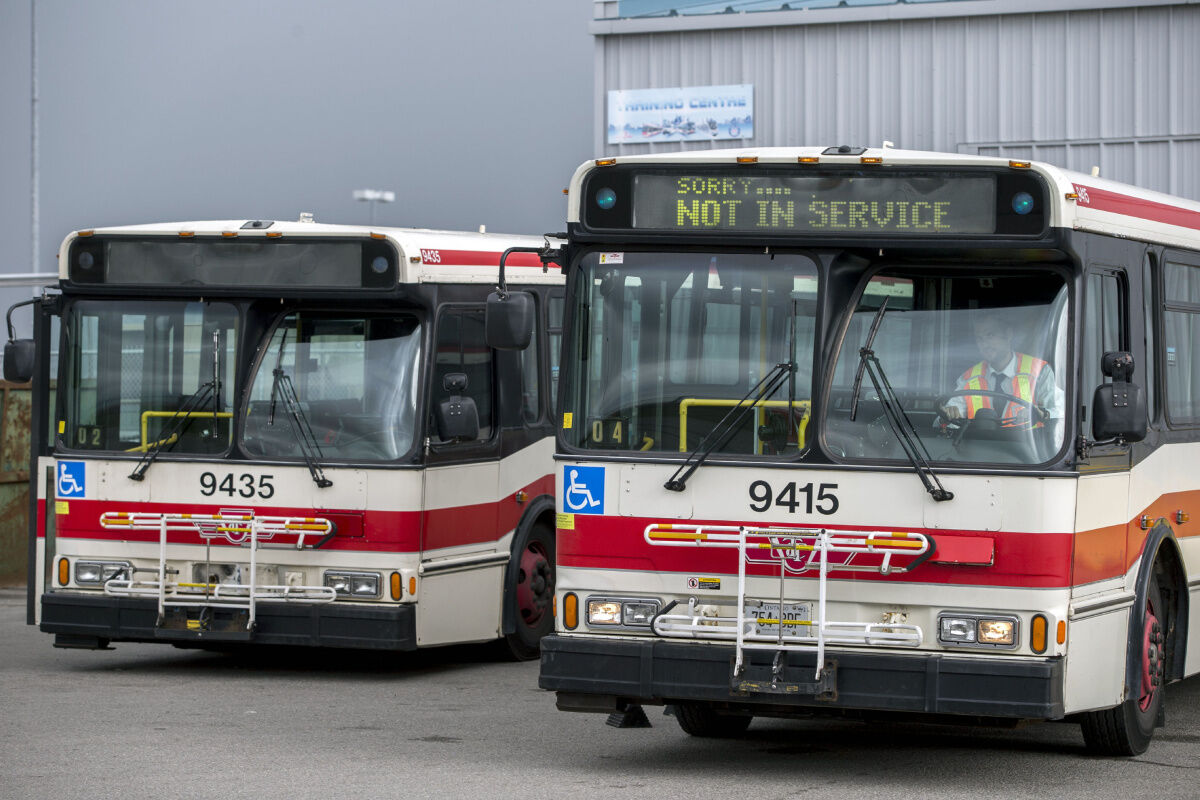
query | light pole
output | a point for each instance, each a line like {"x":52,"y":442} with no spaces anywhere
{"x":374,"y":196}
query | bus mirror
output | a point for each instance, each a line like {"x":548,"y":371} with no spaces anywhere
{"x":19,"y":358}
{"x":456,"y":417}
{"x":1118,"y":408}
{"x":508,"y":323}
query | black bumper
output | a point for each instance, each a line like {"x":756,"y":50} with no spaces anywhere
{"x":79,"y":619}
{"x":594,"y":674}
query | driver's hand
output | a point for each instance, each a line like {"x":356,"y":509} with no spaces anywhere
{"x":951,"y":412}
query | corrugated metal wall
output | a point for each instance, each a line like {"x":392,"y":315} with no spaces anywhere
{"x":1118,"y":89}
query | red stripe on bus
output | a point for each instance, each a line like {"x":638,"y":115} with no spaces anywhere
{"x":1116,"y":203}
{"x":477,"y":258}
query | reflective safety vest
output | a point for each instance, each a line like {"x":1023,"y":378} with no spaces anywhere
{"x":1020,"y":385}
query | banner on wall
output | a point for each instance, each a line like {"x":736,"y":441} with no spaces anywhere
{"x":681,"y":114}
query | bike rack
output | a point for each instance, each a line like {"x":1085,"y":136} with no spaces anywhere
{"x":794,"y":549}
{"x":242,"y":529}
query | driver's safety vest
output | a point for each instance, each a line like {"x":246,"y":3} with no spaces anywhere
{"x":1020,"y":385}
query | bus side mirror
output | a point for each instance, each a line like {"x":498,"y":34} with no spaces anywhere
{"x":1118,"y":408}
{"x":19,"y":358}
{"x":456,"y":417}
{"x":508,"y":320}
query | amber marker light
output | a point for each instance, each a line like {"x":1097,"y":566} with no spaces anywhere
{"x":373,"y":235}
{"x":1037,"y":634}
{"x":871,"y":160}
{"x":274,"y":234}
{"x":412,"y":585}
{"x":747,"y":159}
{"x":85,"y":234}
{"x":570,"y":615}
{"x":187,"y":234}
{"x":396,"y":586}
{"x":64,"y":572}
{"x":1072,"y":195}
{"x":229,"y":234}
{"x":1062,"y":632}
{"x":1020,"y":164}
{"x":808,"y":160}
{"x":605,"y":162}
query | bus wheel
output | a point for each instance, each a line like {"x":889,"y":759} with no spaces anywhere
{"x":1126,"y":729}
{"x":532,"y":602}
{"x":701,"y":719}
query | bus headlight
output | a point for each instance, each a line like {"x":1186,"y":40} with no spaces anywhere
{"x":95,"y":573}
{"x":621,"y":612}
{"x":363,"y":585}
{"x":977,"y":631}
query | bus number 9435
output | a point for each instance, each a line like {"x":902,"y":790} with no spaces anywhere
{"x":244,"y":485}
{"x":795,"y":497}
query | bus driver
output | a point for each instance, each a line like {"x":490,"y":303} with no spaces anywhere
{"x":1018,"y":375}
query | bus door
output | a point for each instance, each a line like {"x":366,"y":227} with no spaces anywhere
{"x":1102,"y":514}
{"x":460,"y":566}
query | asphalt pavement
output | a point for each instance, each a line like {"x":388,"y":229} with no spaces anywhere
{"x":152,"y":721}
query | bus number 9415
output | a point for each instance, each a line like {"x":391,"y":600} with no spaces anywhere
{"x":244,"y":485}
{"x":795,"y":497}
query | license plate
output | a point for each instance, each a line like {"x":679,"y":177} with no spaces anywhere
{"x":767,"y":616}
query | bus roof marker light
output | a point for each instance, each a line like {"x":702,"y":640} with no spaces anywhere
{"x":605,"y":162}
{"x":274,"y":234}
{"x":808,"y":160}
{"x":747,"y":159}
{"x":871,"y":160}
{"x":84,"y":234}
{"x":373,"y":235}
{"x":1020,"y":164}
{"x":229,"y":234}
{"x":187,"y":234}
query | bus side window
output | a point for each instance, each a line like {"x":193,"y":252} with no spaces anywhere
{"x":554,"y":322}
{"x":461,"y":348}
{"x":1181,"y":330}
{"x":1104,"y":328}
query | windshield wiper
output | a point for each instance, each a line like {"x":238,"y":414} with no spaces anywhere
{"x":282,"y":388}
{"x":178,"y":421}
{"x":176,"y":424}
{"x":728,"y":424}
{"x":893,"y":411}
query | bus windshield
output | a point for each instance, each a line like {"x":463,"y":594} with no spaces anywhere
{"x":977,"y":362}
{"x":666,"y":344}
{"x":140,"y":374}
{"x":346,"y":381}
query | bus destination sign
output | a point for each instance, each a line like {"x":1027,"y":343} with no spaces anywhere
{"x":814,"y":204}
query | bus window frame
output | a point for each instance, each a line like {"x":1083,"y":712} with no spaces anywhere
{"x":1191,"y":259}
{"x":837,"y":341}
{"x":267,"y":334}
{"x":58,"y":442}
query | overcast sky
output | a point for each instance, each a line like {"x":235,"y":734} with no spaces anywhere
{"x":475,"y":112}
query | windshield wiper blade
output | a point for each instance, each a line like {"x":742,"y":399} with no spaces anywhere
{"x":897,"y":418}
{"x":310,"y":448}
{"x":175,"y":427}
{"x":728,"y":424}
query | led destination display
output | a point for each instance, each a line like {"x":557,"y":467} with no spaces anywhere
{"x":813,"y":204}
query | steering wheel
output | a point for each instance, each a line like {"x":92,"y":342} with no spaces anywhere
{"x":955,"y":427}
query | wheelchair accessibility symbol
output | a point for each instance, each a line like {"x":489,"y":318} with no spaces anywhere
{"x":583,"y":490}
{"x":71,"y":479}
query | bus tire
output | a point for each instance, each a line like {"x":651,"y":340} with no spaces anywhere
{"x":701,"y":719}
{"x":533,"y":599}
{"x":1126,"y":729}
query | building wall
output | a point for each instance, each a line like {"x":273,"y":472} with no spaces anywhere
{"x":1117,"y":88}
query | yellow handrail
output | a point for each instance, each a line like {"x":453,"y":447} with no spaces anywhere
{"x":146,"y":415}
{"x":701,"y":402}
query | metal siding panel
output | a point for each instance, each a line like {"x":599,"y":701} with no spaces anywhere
{"x":987,"y":83}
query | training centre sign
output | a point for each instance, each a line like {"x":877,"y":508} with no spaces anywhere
{"x":681,"y":114}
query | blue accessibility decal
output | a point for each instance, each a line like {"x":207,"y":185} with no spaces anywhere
{"x":72,"y":479}
{"x":583,"y":490}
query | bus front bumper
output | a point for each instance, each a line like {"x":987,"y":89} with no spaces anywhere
{"x":92,"y":621}
{"x":603,"y":674}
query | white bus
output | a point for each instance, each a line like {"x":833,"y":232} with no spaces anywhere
{"x":854,"y":431}
{"x":290,"y":433}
